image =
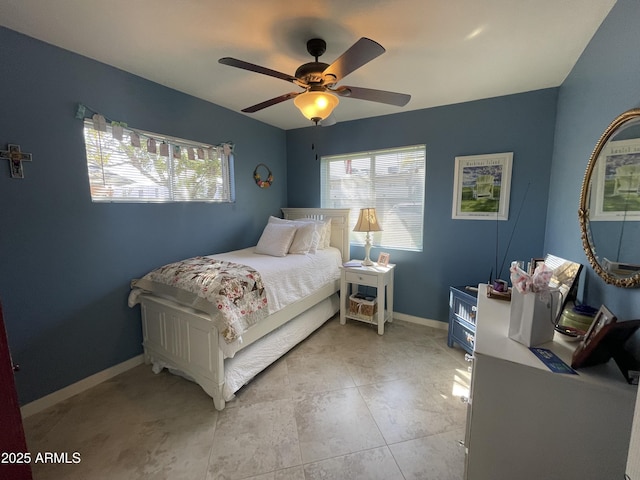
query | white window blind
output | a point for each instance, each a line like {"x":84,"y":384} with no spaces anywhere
{"x":390,"y":180}
{"x":179,"y":171}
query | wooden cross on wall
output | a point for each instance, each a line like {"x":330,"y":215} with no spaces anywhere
{"x":15,"y":157}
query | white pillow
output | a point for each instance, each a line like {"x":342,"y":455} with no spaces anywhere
{"x":306,"y":240}
{"x":276,"y":239}
{"x":306,"y":236}
{"x":325,"y":233}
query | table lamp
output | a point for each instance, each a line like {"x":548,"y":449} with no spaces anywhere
{"x":367,"y":222}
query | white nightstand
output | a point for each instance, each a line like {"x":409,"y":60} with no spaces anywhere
{"x":375,"y":276}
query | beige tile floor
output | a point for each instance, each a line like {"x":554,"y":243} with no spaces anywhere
{"x":345,"y":404}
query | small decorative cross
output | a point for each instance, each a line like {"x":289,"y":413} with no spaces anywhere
{"x":15,"y":157}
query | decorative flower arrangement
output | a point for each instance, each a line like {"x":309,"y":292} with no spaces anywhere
{"x":258,"y":179}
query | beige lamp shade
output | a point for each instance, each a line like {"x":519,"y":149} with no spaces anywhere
{"x":367,"y":221}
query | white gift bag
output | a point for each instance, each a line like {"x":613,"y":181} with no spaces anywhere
{"x":532,"y":318}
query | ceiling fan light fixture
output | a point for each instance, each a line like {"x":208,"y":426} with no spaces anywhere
{"x":316,"y":105}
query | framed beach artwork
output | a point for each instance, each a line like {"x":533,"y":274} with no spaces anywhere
{"x":615,"y":188}
{"x":482,"y":185}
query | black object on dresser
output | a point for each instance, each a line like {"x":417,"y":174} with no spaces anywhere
{"x":463,"y":304}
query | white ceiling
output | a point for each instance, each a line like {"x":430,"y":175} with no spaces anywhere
{"x":439,"y":51}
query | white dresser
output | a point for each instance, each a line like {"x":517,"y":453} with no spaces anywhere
{"x":525,"y":422}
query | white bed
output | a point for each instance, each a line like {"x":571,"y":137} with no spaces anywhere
{"x":188,"y":341}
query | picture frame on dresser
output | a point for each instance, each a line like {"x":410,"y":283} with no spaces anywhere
{"x":606,"y":339}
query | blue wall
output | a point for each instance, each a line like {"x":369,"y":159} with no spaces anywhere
{"x":456,"y":252}
{"x":602,"y":85}
{"x":65,"y":262}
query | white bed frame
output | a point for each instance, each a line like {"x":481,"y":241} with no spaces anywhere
{"x":186,"y":340}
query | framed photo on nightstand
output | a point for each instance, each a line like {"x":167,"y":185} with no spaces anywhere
{"x":383,"y":259}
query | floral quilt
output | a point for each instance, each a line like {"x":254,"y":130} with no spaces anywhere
{"x":233,"y":290}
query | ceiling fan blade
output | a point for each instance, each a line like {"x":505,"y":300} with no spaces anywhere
{"x":269,"y":103}
{"x":361,"y":52}
{"x":234,"y":62}
{"x":380,"y":96}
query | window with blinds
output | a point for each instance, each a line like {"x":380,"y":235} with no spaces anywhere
{"x":131,"y":166}
{"x":390,"y":180}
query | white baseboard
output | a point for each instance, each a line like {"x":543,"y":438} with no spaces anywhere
{"x":421,"y":321}
{"x":79,"y":387}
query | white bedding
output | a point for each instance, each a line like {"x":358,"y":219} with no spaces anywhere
{"x":288,"y":279}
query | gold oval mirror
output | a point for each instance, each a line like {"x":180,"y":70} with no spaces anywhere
{"x":609,"y":211}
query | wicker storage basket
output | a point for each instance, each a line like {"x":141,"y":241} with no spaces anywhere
{"x":362,"y":308}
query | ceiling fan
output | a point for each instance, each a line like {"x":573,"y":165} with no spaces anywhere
{"x":318,"y":79}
